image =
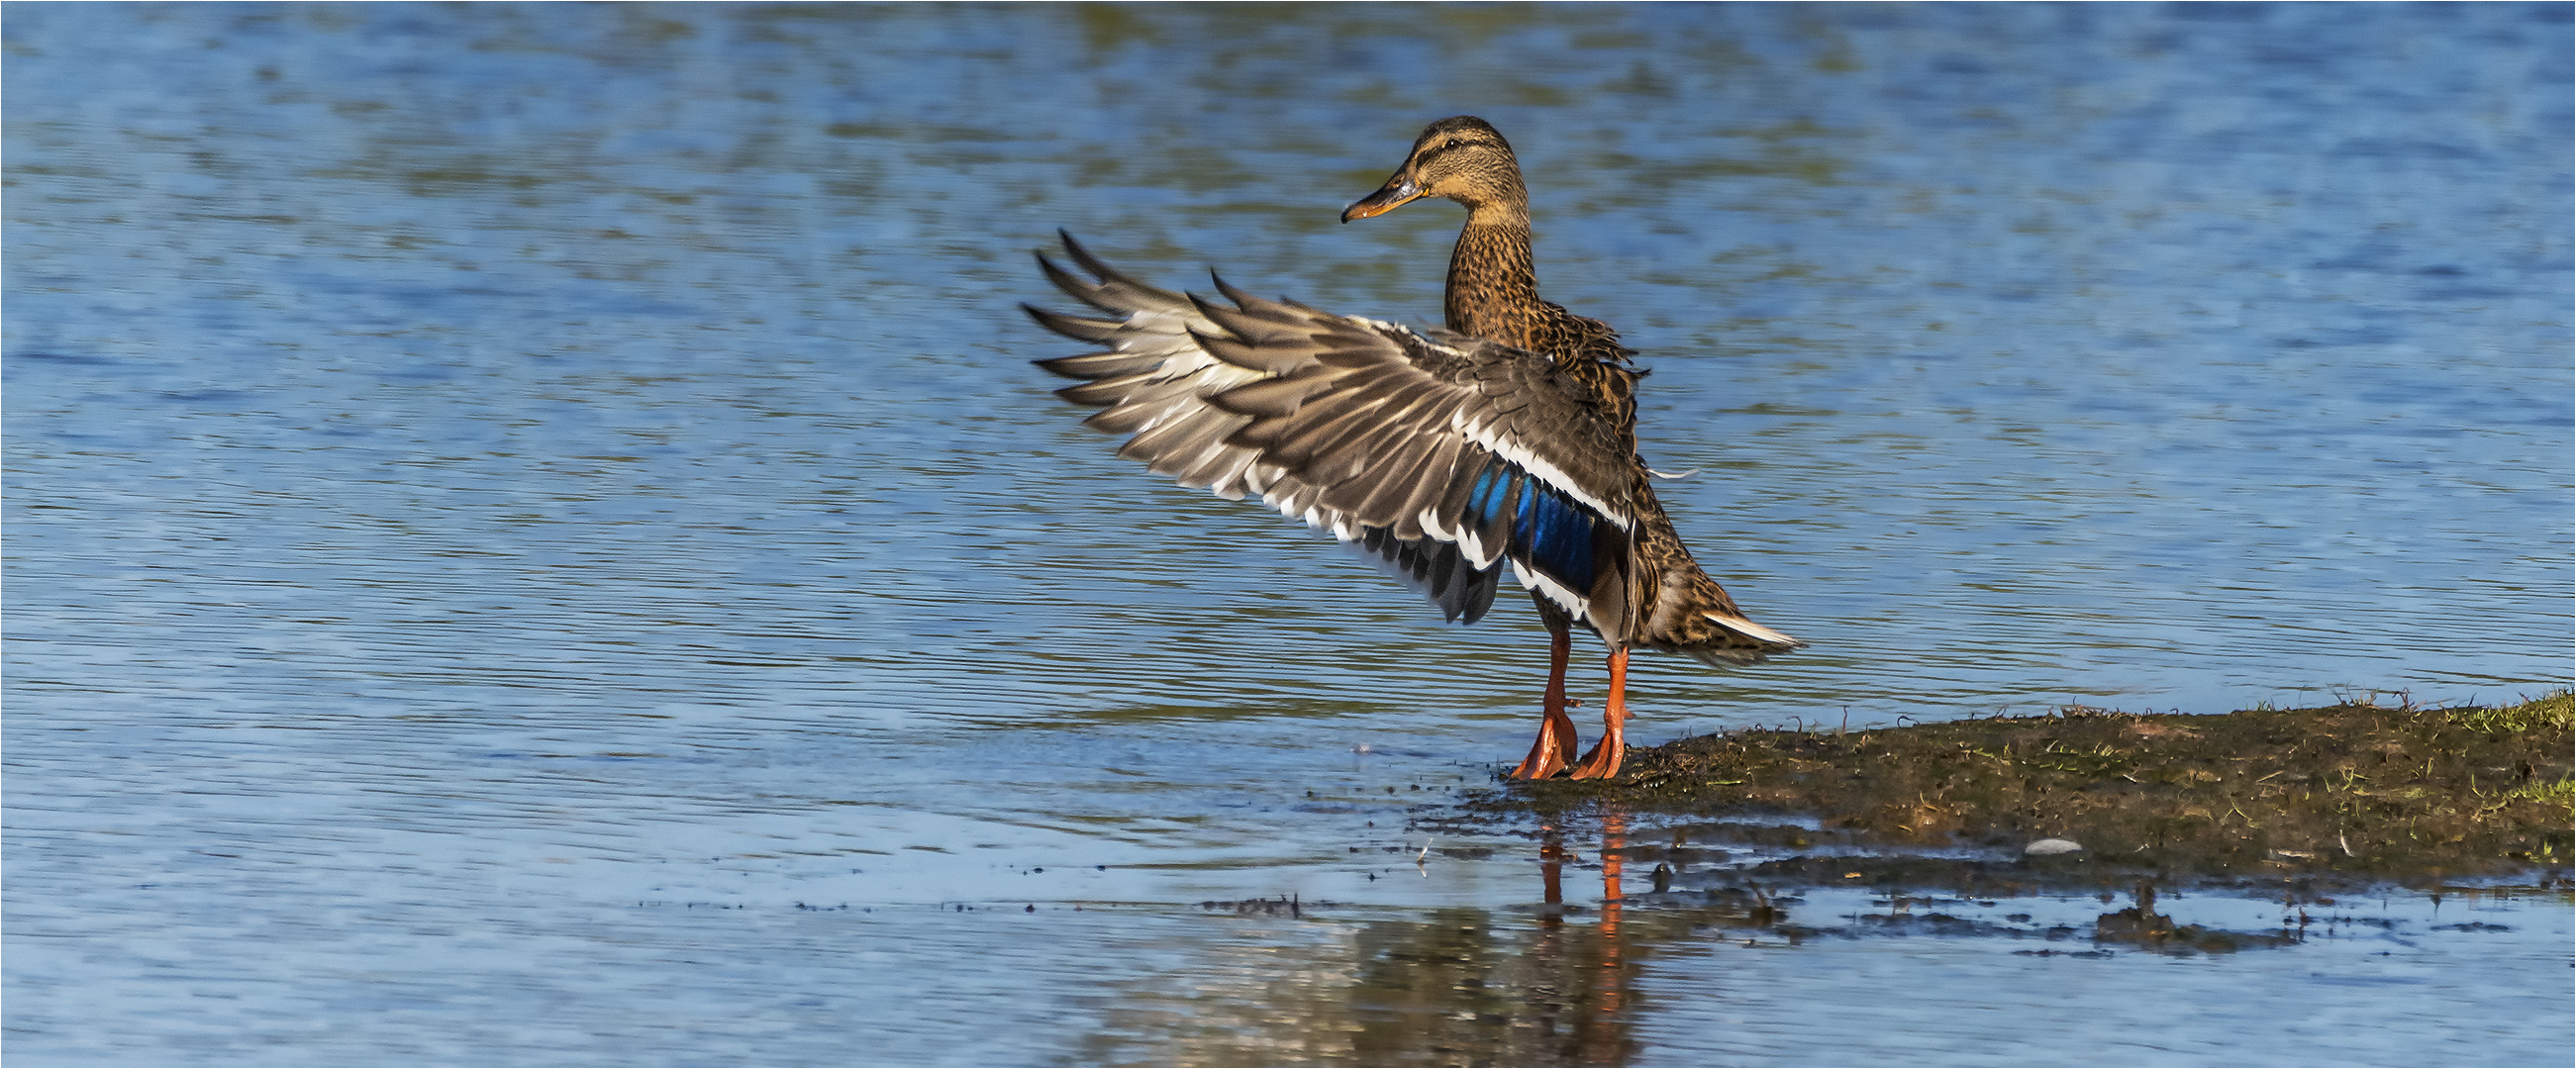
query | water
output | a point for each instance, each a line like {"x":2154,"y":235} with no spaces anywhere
{"x":519,"y":515}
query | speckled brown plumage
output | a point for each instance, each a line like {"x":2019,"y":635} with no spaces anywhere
{"x":1493,"y":294}
{"x":1670,"y":604}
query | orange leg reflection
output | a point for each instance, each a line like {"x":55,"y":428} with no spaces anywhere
{"x":1551,"y":870}
{"x":1601,"y":1028}
{"x":1580,"y":978}
{"x":1614,"y":845}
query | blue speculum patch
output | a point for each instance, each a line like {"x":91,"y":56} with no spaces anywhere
{"x":1550,"y":531}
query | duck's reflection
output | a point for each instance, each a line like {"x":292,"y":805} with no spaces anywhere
{"x":1549,"y":986}
{"x":1576,"y":980}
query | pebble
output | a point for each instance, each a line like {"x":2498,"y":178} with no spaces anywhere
{"x":2051,"y":847}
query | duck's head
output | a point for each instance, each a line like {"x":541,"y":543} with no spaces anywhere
{"x":1461,"y":158}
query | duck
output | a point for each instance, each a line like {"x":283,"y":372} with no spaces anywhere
{"x":1505,"y":436}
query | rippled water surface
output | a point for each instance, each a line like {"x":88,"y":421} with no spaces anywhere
{"x":532,"y":538}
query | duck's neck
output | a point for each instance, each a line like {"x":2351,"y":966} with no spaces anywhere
{"x":1493,"y":284}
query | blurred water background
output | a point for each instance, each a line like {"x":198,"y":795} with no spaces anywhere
{"x":532,"y":539}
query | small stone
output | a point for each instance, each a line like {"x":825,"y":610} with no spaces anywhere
{"x":2052,"y":847}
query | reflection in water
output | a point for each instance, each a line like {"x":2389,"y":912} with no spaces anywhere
{"x":1611,"y":974}
{"x":1554,"y":985}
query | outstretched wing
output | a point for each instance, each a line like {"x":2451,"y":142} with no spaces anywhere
{"x":1442,"y":455}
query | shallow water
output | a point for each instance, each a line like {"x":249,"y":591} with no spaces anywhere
{"x":517,"y":515}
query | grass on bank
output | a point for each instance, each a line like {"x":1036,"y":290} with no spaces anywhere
{"x":2354,"y":788}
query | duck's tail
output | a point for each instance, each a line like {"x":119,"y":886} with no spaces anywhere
{"x":1691,"y":615}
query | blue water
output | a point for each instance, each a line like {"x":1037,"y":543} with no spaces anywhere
{"x":516,"y":515}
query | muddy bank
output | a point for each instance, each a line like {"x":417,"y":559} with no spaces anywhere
{"x":2346,"y":791}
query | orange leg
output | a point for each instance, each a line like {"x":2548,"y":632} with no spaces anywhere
{"x":1554,"y":749}
{"x":1603,"y":761}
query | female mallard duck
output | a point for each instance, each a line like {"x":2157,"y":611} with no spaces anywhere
{"x":1511,"y":435}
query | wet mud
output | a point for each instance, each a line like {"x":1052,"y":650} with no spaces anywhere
{"x":2321,"y":798}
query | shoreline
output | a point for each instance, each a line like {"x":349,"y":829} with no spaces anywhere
{"x":2341,"y":794}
